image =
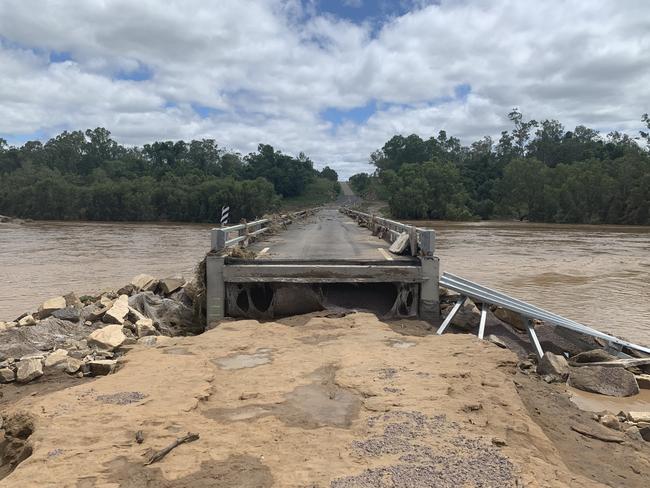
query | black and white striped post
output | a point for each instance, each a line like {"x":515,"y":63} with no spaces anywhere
{"x":225,"y":212}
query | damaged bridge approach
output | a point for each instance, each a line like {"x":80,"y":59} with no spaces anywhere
{"x":326,"y":258}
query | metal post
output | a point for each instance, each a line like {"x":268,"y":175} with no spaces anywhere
{"x":218,"y":238}
{"x":428,"y":242}
{"x":429,"y":306}
{"x":215,"y":289}
{"x":481,"y":326}
{"x":459,"y":303}
{"x":534,"y":341}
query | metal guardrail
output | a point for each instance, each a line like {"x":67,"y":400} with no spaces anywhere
{"x":222,"y":238}
{"x":486,"y":296}
{"x":422,"y":241}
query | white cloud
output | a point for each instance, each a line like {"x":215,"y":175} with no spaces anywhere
{"x":270,"y":68}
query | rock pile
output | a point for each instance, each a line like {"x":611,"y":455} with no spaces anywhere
{"x":86,"y":336}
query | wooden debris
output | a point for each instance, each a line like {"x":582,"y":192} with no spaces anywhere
{"x":596,"y":435}
{"x":157,"y":456}
{"x":139,"y":437}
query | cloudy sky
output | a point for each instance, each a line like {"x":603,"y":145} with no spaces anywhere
{"x":332,"y":78}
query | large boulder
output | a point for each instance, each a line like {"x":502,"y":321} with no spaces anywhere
{"x":94,"y":312}
{"x":170,"y":285}
{"x":29,"y":369}
{"x":26,"y":321}
{"x":71,"y":314}
{"x":606,"y":380}
{"x":7,"y":375}
{"x":118,"y":312}
{"x":511,"y":318}
{"x":144,"y":327}
{"x":554,"y":365}
{"x":51,"y":305}
{"x":108,"y":338}
{"x":173,"y":318}
{"x":102,"y":367}
{"x":593,"y":356}
{"x":72,"y":365}
{"x":467,"y":316}
{"x":144,"y":282}
{"x":57,"y":358}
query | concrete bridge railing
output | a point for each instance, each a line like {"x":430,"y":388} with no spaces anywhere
{"x":422,"y":242}
{"x":246,"y":232}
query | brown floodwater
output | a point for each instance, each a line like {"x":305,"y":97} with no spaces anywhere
{"x":597,"y":275}
{"x":40,"y":260}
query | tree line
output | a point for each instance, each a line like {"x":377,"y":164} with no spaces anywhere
{"x":538,"y":171}
{"x":87,"y":175}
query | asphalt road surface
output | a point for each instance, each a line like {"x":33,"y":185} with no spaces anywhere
{"x":327,"y":235}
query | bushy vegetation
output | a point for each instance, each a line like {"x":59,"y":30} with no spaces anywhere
{"x":537,"y":171}
{"x":89,"y":176}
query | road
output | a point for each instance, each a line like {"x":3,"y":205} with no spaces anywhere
{"x":347,"y":196}
{"x":327,"y":235}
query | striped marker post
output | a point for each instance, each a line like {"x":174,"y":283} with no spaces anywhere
{"x":225,"y":212}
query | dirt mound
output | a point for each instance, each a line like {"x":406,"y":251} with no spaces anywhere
{"x":340,"y":402}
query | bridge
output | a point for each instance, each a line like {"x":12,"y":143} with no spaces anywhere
{"x":325,"y":258}
{"x":329,"y":258}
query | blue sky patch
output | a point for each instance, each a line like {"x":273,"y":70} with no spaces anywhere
{"x":204,"y":111}
{"x":20,"y":139}
{"x":141,"y":73}
{"x":461,"y":91}
{"x":360,"y":11}
{"x":358,"y":115}
{"x":60,"y":56}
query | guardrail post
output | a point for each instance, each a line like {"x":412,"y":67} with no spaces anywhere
{"x":428,"y":242}
{"x":429,"y":306}
{"x":413,"y":240}
{"x":215,"y":289}
{"x":218,"y":238}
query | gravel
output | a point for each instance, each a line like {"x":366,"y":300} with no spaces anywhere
{"x":461,"y":462}
{"x":122,"y":398}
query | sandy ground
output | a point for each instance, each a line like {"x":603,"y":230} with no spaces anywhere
{"x":340,"y":402}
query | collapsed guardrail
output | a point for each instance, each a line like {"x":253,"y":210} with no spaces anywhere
{"x":486,"y":296}
{"x":422,"y":242}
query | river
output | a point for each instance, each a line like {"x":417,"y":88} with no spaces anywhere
{"x":597,"y":275}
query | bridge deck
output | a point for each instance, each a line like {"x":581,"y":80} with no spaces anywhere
{"x":327,"y":235}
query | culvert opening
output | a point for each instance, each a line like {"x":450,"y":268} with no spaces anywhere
{"x":261,"y":296}
{"x":375,"y":297}
{"x":265,"y":301}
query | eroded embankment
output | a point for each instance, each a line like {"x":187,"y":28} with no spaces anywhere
{"x":337,"y":402}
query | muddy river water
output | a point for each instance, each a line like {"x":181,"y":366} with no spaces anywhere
{"x":597,"y":275}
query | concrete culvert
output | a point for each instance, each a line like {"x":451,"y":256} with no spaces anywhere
{"x":265,"y":301}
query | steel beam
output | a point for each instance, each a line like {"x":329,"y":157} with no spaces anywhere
{"x":328,"y":273}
